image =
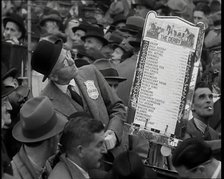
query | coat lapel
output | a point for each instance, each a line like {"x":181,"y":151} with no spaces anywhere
{"x":89,"y":104}
{"x":61,"y":101}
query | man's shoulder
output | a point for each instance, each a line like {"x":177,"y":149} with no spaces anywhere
{"x":85,"y":68}
{"x":59,"y":171}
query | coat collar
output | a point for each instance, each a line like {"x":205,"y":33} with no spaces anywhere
{"x":61,"y":101}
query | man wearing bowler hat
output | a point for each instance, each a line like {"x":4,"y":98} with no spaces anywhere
{"x":71,"y":89}
{"x":38,"y":130}
{"x":94,"y":38}
{"x":14,"y":29}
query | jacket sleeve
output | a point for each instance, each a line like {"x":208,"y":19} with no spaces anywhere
{"x":115,"y":107}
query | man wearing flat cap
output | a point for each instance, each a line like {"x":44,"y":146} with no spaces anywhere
{"x":71,"y":89}
{"x":14,"y":29}
{"x":38,"y":130}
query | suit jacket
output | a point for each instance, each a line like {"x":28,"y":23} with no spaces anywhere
{"x":107,"y":107}
{"x":126,"y":69}
{"x":193,"y":131}
{"x":22,"y":167}
{"x":66,"y":170}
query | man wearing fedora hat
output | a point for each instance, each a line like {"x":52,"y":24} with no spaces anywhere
{"x":16,"y":99}
{"x":109,"y":72}
{"x":85,"y":89}
{"x":6,"y":120}
{"x":82,"y":145}
{"x":14,"y":29}
{"x":38,"y":130}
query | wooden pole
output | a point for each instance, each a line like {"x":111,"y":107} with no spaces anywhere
{"x":29,"y":74}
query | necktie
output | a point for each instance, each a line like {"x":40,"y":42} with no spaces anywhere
{"x":207,"y":135}
{"x":75,"y":96}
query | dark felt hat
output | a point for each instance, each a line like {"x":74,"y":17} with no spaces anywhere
{"x":45,"y":56}
{"x":50,"y":15}
{"x":134,"y":24}
{"x":38,"y":121}
{"x":96,"y":32}
{"x":123,"y":46}
{"x":16,"y":19}
{"x":82,"y":26}
{"x":79,"y":62}
{"x":108,"y":70}
{"x":65,"y":2}
{"x":115,"y":38}
{"x":118,"y":18}
{"x":6,"y":73}
{"x":112,"y":74}
{"x":6,"y":90}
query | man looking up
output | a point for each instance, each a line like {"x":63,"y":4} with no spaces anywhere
{"x":85,"y":89}
{"x":202,"y":109}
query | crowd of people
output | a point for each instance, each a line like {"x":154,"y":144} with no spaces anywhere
{"x":69,"y":123}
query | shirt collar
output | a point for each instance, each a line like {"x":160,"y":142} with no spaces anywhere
{"x":85,"y":174}
{"x":200,"y":125}
{"x":64,"y":88}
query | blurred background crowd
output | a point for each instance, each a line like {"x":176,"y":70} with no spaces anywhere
{"x":106,"y":34}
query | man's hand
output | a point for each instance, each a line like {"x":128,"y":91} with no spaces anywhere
{"x":110,"y":139}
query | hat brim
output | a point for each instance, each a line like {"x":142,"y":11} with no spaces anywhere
{"x":115,"y":79}
{"x":50,"y":18}
{"x":81,"y":62}
{"x":74,"y":29}
{"x":135,"y":44}
{"x":22,"y":28}
{"x":12,"y":72}
{"x":18,"y":133}
{"x":105,"y":42}
{"x":55,"y":56}
{"x":7,"y":90}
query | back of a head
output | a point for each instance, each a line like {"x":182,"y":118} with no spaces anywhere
{"x":128,"y":165}
{"x":79,"y":131}
{"x":191,"y":153}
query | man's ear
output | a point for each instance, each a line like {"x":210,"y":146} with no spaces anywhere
{"x":53,"y":77}
{"x":192,"y":108}
{"x":80,"y":151}
{"x":201,"y":169}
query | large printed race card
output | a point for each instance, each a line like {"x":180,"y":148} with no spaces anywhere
{"x":166,"y":71}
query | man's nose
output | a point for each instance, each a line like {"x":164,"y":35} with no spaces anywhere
{"x":9,"y":106}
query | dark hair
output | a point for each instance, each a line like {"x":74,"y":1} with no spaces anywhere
{"x":201,"y":84}
{"x":79,"y":130}
{"x":202,"y":7}
{"x":191,"y":153}
{"x":128,"y":165}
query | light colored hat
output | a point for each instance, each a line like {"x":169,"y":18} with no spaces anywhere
{"x":38,"y":121}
